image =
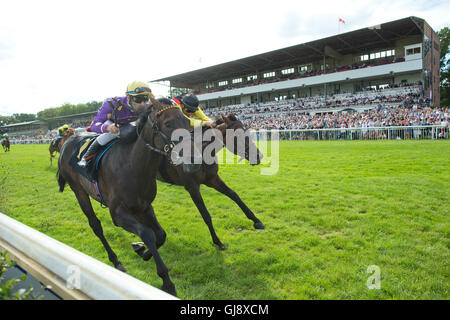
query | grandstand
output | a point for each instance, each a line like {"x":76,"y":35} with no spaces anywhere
{"x":372,"y":71}
{"x":391,"y":54}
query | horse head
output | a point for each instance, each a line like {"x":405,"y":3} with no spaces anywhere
{"x":156,"y":127}
{"x":237,"y":139}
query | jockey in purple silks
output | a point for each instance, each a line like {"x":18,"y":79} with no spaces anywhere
{"x":120,"y":110}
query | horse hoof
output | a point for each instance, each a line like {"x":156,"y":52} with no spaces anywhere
{"x":221,"y":246}
{"x":147,"y":255}
{"x":138,"y":247}
{"x":121,"y":267}
{"x":259,"y":226}
{"x":170,"y":290}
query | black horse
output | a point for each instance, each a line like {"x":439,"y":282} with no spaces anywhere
{"x":208,"y":175}
{"x":127,"y":180}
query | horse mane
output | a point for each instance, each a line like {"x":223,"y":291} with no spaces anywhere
{"x":230,"y":117}
{"x":141,"y":120}
{"x":159,"y":103}
{"x":165,"y":101}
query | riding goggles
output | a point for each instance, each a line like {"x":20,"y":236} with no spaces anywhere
{"x":139,"y":99}
{"x":140,"y":90}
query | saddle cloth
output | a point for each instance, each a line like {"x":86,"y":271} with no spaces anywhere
{"x":90,"y":172}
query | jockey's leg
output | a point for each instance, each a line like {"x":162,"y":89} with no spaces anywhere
{"x":102,"y":140}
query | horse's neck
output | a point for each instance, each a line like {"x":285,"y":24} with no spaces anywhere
{"x":143,"y":159}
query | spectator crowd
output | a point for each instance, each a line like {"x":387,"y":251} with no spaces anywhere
{"x":393,"y":106}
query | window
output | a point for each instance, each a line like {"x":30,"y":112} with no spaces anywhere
{"x":303,"y":69}
{"x":415,"y":50}
{"x":223,"y":83}
{"x":252,"y":77}
{"x":237,"y":80}
{"x":364,"y":57}
{"x":287,"y":71}
{"x":269,"y":74}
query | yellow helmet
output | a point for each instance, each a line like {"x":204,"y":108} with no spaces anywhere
{"x":137,"y":88}
{"x":65,"y":126}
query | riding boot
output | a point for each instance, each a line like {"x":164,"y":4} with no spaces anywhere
{"x":55,"y":143}
{"x":93,"y":148}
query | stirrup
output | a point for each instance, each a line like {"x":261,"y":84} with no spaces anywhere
{"x":82,"y":163}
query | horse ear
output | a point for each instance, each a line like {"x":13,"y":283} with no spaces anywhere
{"x":155,"y":103}
{"x":226,"y":119}
{"x":232,"y":117}
{"x":219,"y":120}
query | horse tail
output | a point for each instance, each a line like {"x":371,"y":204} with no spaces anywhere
{"x":61,"y":181}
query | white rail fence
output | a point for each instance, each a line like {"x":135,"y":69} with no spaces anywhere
{"x":370,"y":133}
{"x":70,"y":273}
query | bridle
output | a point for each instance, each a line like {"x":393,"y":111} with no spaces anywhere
{"x":169,"y":145}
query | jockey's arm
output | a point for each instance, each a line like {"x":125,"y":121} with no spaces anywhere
{"x":104,"y":114}
{"x":200,"y":118}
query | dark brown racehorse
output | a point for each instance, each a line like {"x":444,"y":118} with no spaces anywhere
{"x":127,"y":181}
{"x":53,"y":149}
{"x":5,"y":144}
{"x":208,"y":175}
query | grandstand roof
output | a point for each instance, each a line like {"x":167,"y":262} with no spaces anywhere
{"x":358,"y":41}
{"x":23,"y":124}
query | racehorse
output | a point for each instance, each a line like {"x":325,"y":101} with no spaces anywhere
{"x":5,"y":144}
{"x":208,"y":175}
{"x":127,"y":180}
{"x":54,"y":149}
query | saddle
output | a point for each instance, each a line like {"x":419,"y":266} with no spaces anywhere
{"x":90,"y":172}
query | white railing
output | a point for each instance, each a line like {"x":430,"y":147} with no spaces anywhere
{"x":70,"y":273}
{"x":370,"y":133}
{"x":30,"y":141}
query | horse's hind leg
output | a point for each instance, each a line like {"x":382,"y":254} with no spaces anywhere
{"x":96,"y":226}
{"x":194,"y":191}
{"x":220,"y":186}
{"x":123,"y":218}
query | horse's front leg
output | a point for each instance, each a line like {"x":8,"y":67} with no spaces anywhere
{"x":123,"y":217}
{"x":220,"y":186}
{"x":148,"y":218}
{"x":194,"y":191}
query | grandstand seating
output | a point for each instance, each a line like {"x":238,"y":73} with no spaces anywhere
{"x":393,"y":106}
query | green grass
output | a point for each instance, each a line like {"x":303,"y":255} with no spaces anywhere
{"x":332,"y":210}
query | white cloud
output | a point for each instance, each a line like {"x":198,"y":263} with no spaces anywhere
{"x":52,"y":52}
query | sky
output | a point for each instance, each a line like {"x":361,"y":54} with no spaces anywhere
{"x":57,"y":52}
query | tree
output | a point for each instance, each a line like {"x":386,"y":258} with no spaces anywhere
{"x":24,"y":117}
{"x":444,"y":34}
{"x":178,"y":91}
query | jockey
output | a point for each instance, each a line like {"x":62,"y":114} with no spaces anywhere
{"x":61,"y":133}
{"x":120,"y":110}
{"x":189,"y":105}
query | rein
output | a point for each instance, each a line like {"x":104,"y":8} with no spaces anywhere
{"x":154,"y":124}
